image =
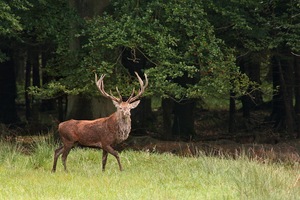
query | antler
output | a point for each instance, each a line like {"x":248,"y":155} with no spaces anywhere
{"x":141,"y":90}
{"x":100,"y":85}
{"x":132,"y":98}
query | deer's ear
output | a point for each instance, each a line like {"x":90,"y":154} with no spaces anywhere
{"x":117,"y":104}
{"x":134,"y":104}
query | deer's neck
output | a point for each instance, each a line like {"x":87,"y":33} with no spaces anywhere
{"x":124,"y":126}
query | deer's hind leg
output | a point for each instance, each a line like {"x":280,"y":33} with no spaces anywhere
{"x":65,"y":153}
{"x":57,"y":153}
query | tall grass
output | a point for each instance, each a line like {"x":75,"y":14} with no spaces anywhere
{"x":146,"y":176}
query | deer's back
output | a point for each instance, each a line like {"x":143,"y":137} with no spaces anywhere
{"x":87,"y":132}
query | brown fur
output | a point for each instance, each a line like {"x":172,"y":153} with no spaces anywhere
{"x":100,"y":133}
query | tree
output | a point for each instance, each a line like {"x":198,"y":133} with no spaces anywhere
{"x":10,"y":22}
{"x":285,"y":40}
{"x":10,"y":26}
{"x":269,"y":28}
{"x":185,"y":60}
{"x":178,"y":51}
{"x":41,"y":44}
{"x":173,"y":42}
{"x":239,"y":24}
{"x":297,"y":92}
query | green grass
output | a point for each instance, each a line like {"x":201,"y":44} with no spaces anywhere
{"x":146,"y":176}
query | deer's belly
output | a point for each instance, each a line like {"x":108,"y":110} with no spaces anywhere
{"x":90,"y":144}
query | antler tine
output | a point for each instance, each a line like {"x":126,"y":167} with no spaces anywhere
{"x":141,"y":90}
{"x":132,"y":93}
{"x":100,"y":85}
{"x":120,"y":96}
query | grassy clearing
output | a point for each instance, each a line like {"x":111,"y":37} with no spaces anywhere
{"x":146,"y":176}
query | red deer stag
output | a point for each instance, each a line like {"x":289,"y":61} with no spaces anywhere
{"x":101,"y":133}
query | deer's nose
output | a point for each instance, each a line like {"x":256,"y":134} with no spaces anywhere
{"x":126,"y":112}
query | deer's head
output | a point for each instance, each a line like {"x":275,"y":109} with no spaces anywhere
{"x":123,"y":107}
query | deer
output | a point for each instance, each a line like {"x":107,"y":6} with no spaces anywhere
{"x":102,"y":133}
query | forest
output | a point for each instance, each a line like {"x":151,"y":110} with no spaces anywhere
{"x":216,"y":69}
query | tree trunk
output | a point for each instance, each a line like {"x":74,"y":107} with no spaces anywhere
{"x":32,"y":78}
{"x":167,"y":108}
{"x":86,"y":8}
{"x":183,"y":124}
{"x":79,"y":107}
{"x":60,"y":108}
{"x":27,"y":85}
{"x":287,"y":88}
{"x":283,"y":112}
{"x":8,"y":91}
{"x":36,"y":81}
{"x":245,"y":99}
{"x":251,"y":67}
{"x":142,"y":117}
{"x":277,"y":108}
{"x":297,"y":93}
{"x":178,"y":119}
{"x":232,"y":111}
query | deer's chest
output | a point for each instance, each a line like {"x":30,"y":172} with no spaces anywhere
{"x":124,"y":130}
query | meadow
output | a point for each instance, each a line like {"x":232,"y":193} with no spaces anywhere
{"x":26,"y":174}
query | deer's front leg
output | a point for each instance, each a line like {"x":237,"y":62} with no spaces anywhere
{"x":104,"y":159}
{"x":110,"y":150}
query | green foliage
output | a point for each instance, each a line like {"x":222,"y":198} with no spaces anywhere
{"x":256,"y":25}
{"x":10,"y":24}
{"x":185,"y":59}
{"x":48,"y":25}
{"x":9,"y":21}
{"x":188,"y":44}
{"x":55,"y":89}
{"x":285,"y":22}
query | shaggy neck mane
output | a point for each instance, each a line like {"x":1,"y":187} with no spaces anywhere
{"x":124,"y":126}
